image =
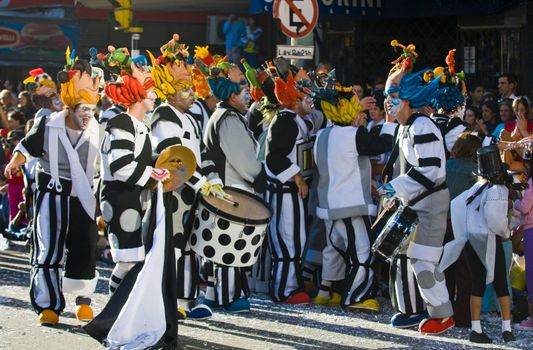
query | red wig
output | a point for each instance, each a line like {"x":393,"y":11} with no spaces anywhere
{"x":126,"y":91}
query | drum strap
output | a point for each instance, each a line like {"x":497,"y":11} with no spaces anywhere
{"x":274,"y":185}
{"x":418,"y":198}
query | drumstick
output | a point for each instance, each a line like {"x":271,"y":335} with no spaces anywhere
{"x":227,"y":200}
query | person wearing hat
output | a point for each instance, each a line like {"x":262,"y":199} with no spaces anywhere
{"x":64,"y":234}
{"x":341,"y":153}
{"x":417,"y":177}
{"x":480,"y":222}
{"x":233,"y":149}
{"x":172,"y":125}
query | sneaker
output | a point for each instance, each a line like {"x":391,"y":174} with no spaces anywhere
{"x":238,"y":306}
{"x":298,"y":298}
{"x":508,"y":336}
{"x":212,"y":304}
{"x":182,"y":315}
{"x":480,"y":338}
{"x":401,"y":320}
{"x":318,"y":300}
{"x":367,"y":306}
{"x":199,"y":312}
{"x":84,"y":313}
{"x":335,"y":299}
{"x":436,"y":325}
{"x":526,"y":325}
{"x":48,"y":317}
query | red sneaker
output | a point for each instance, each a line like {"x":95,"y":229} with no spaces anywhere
{"x":436,"y":325}
{"x":298,"y":298}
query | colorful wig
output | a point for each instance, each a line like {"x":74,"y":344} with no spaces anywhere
{"x":286,"y":91}
{"x":414,"y":89}
{"x":40,"y":82}
{"x":222,"y":88}
{"x":80,"y":88}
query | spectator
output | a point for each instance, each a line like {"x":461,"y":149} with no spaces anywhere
{"x":7,"y":100}
{"x":476,"y":96}
{"x":359,"y":90}
{"x":251,"y":42}
{"x":507,"y":84}
{"x":15,"y":119}
{"x":506,"y":111}
{"x":234,"y":30}
{"x":25,"y":105}
{"x":472,"y":115}
{"x":491,"y":119}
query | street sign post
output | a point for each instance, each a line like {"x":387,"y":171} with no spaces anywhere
{"x":297,"y":52}
{"x":297,"y":17}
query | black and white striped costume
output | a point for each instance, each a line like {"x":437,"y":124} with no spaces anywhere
{"x":200,"y":112}
{"x":418,"y":160}
{"x":345,"y":203}
{"x":171,"y":127}
{"x":126,"y":168}
{"x":64,"y":228}
{"x":288,"y":228}
{"x":231,"y":146}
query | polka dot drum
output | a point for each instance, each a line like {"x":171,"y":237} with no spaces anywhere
{"x":230,"y":235}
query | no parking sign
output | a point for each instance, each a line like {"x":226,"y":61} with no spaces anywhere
{"x":297,"y":17}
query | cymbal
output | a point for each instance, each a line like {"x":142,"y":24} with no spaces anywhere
{"x":180,"y":162}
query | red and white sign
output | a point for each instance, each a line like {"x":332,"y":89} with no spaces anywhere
{"x":8,"y":37}
{"x":297,"y":17}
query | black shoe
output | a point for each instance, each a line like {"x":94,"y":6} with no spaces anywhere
{"x":508,"y":336}
{"x":481,"y":338}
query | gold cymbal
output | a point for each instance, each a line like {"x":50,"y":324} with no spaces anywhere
{"x":180,"y":162}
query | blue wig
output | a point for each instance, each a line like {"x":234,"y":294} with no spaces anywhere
{"x":222,"y":88}
{"x":448,"y":98}
{"x":414,"y":89}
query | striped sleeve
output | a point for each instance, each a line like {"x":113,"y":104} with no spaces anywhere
{"x":121,"y":157}
{"x":428,"y":149}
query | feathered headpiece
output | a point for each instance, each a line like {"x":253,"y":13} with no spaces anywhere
{"x":411,"y":86}
{"x":450,"y":96}
{"x":339,"y":104}
{"x":170,"y":71}
{"x":40,"y":82}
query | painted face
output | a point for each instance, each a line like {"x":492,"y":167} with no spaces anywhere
{"x":183,"y":99}
{"x":57,"y":104}
{"x":245,"y":95}
{"x":393,"y":104}
{"x":149,"y":101}
{"x":83,"y":114}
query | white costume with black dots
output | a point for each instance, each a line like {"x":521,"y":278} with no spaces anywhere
{"x":126,"y":168}
{"x":171,"y":127}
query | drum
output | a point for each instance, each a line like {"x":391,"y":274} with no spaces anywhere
{"x":227,"y":234}
{"x":393,"y":234}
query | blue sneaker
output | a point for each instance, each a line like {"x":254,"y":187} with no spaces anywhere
{"x":200,"y":312}
{"x":210,"y":303}
{"x":401,"y":320}
{"x":238,"y":306}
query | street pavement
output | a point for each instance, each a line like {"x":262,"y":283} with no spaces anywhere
{"x":268,"y":326}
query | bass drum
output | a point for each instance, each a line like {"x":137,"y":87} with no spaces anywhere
{"x":227,"y":234}
{"x":392,"y":235}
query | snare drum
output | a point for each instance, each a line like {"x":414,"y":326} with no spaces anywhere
{"x":393,"y":234}
{"x":230,"y":235}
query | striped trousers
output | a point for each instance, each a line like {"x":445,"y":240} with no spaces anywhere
{"x":63,"y":240}
{"x":287,"y":236}
{"x":347,"y":256}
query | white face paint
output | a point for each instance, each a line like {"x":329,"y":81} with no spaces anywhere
{"x":83,"y":114}
{"x":245,"y":94}
{"x":149,"y":102}
{"x":394,"y":105}
{"x":57,"y":104}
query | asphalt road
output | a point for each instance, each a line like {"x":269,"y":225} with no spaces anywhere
{"x":268,"y":326}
